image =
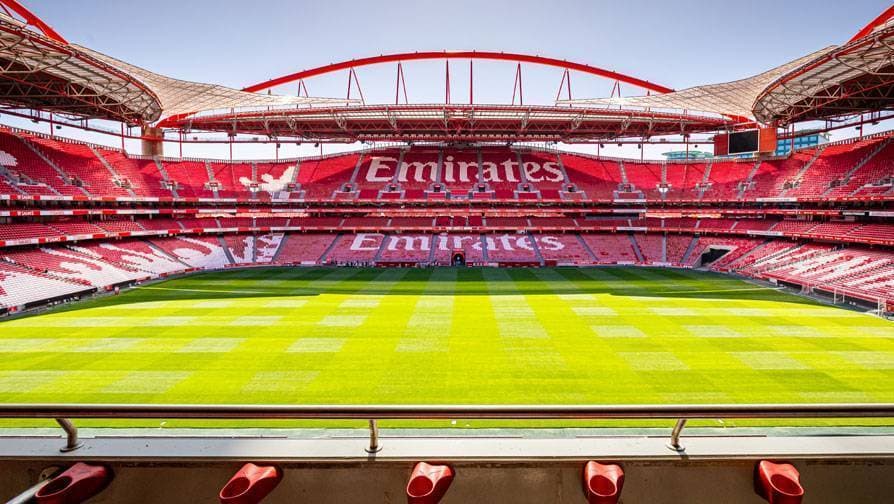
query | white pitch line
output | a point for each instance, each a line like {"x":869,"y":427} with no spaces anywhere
{"x":699,"y":291}
{"x":205,"y":290}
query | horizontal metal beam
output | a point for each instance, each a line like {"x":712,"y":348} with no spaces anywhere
{"x":366,"y":412}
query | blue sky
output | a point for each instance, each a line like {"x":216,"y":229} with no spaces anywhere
{"x":677,"y":44}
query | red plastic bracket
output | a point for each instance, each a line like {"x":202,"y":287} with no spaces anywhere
{"x":75,"y":485}
{"x":603,"y":482}
{"x":250,"y":485}
{"x":778,"y":483}
{"x":428,"y":483}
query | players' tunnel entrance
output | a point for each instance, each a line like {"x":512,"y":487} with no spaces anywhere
{"x":711,"y":255}
{"x":458,"y":259}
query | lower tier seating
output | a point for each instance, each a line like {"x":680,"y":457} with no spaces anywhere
{"x":29,"y":274}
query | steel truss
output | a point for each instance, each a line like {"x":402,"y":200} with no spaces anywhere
{"x":852,"y":79}
{"x":455,"y":122}
{"x":42,"y":73}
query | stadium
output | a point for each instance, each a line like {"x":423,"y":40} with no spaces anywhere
{"x":263,"y":294}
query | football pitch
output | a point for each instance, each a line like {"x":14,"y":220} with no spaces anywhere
{"x":448,"y":336}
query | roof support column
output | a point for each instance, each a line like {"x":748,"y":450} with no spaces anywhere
{"x":152,"y":141}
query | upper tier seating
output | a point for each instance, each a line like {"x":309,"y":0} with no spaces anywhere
{"x":234,"y":180}
{"x":500,"y":171}
{"x":418,"y":171}
{"x":30,"y":172}
{"x":835,"y":162}
{"x":379,"y":170}
{"x":321,"y":178}
{"x":683,"y":181}
{"x":598,"y":179}
{"x":879,"y":167}
{"x":543,"y":173}
{"x":65,"y":168}
{"x":273,"y":180}
{"x":141,"y":176}
{"x":459,"y":174}
{"x":191,"y":178}
{"x":773,"y":178}
{"x":645,"y":177}
{"x":80,"y":163}
{"x":726,"y":180}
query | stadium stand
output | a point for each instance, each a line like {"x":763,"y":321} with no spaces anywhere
{"x":563,"y":249}
{"x":37,"y":166}
{"x":195,"y":252}
{"x":20,"y":286}
{"x":409,"y":249}
{"x":306,"y":249}
{"x":651,"y":247}
{"x":132,"y":254}
{"x":611,"y":249}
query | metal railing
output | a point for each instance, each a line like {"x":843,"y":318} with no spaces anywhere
{"x":63,"y":413}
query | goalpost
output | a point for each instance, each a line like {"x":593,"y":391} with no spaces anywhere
{"x":837,"y":297}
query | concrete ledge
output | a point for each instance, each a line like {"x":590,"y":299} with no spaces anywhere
{"x":351,"y":448}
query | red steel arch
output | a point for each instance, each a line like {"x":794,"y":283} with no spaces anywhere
{"x":880,"y":20}
{"x":439,"y":55}
{"x":32,"y":19}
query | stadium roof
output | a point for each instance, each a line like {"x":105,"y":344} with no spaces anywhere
{"x":40,"y":70}
{"x":454,"y":123}
{"x":841,"y":80}
{"x":43,"y":73}
{"x":854,"y":78}
{"x":732,"y":99}
{"x":179,"y":97}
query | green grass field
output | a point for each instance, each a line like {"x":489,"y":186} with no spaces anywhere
{"x":448,"y":336}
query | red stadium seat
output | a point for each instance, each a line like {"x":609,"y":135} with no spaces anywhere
{"x":428,"y":483}
{"x":778,"y":483}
